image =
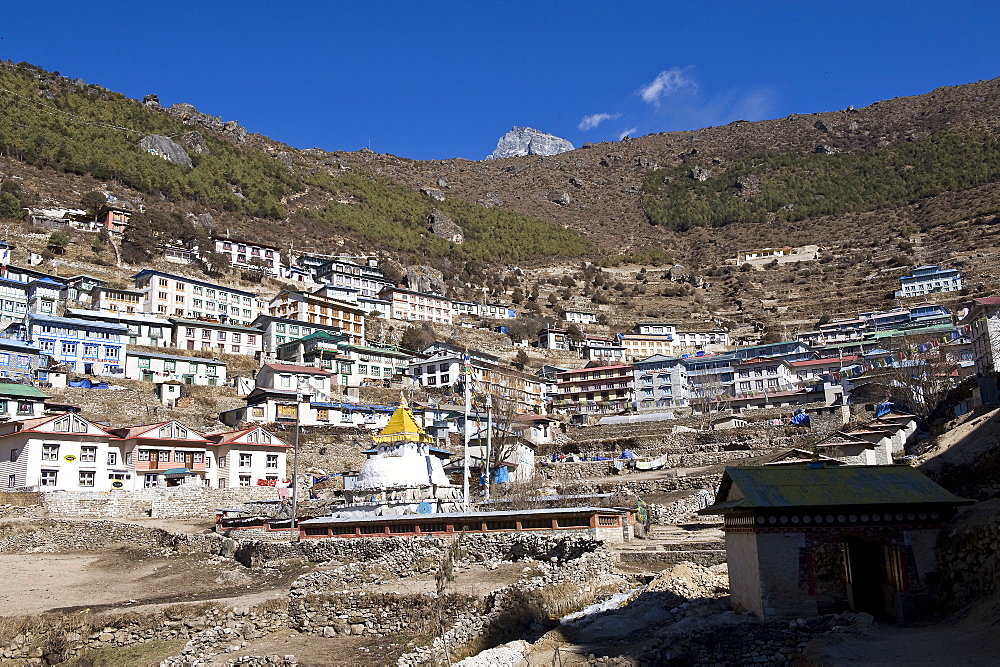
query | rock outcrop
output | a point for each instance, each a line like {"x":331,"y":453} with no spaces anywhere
{"x":425,"y":279}
{"x":446,"y":228}
{"x":166,"y":148}
{"x":230,"y":129}
{"x":528,"y":141}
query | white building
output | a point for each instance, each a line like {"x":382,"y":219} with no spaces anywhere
{"x":314,"y":382}
{"x":143,"y":329}
{"x":60,"y":453}
{"x":420,"y":306}
{"x":253,"y":256}
{"x":927,"y":279}
{"x":169,"y":295}
{"x":157,"y":368}
{"x":580,"y":316}
{"x":206,"y":335}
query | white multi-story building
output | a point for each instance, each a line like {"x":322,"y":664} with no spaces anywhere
{"x":158,"y":368}
{"x":206,"y":335}
{"x":983,"y":321}
{"x":169,"y":295}
{"x":143,"y":329}
{"x":308,"y":380}
{"x":366,"y":278}
{"x":61,"y":453}
{"x":410,"y":305}
{"x":927,"y":279}
{"x":244,"y":255}
{"x":580,"y":316}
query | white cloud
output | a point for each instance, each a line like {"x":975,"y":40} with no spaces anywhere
{"x":627,"y":133}
{"x":595,"y":119}
{"x":666,"y":82}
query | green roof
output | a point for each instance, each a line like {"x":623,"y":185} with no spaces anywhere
{"x":23,"y":390}
{"x":779,"y":486}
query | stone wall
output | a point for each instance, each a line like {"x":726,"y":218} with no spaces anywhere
{"x":969,"y":554}
{"x":524,"y":602}
{"x":170,"y":503}
{"x":56,"y":639}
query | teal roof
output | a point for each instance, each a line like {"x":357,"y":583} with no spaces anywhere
{"x":779,"y":486}
{"x":22,"y":390}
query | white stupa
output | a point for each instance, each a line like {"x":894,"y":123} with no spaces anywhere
{"x":403,"y":458}
{"x":403,"y":476}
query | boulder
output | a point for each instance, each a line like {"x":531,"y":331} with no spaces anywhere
{"x":700,"y":174}
{"x":433,"y":193}
{"x":490,"y":201}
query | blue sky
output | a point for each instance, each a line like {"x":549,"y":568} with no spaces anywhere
{"x":443,"y":79}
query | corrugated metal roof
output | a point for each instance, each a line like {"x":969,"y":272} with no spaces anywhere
{"x":779,"y":486}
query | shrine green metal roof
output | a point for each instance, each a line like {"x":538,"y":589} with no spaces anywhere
{"x":745,"y":488}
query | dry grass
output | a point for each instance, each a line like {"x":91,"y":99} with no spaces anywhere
{"x":21,"y":498}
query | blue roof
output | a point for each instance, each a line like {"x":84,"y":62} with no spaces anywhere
{"x":20,"y":345}
{"x":73,"y":322}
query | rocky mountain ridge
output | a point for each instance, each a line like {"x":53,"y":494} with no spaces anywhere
{"x":522,"y":141}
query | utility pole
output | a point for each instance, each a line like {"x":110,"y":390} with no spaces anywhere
{"x":467,"y":379}
{"x":295,"y":459}
{"x":489,"y":443}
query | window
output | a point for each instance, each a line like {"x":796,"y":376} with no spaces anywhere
{"x":50,"y":452}
{"x":163,"y":282}
{"x":49,"y":477}
{"x":178,"y":457}
{"x":22,"y":361}
{"x":245,"y":460}
{"x":129,"y":458}
{"x":149,"y":480}
{"x":244,"y":480}
{"x":112,"y":458}
{"x":205,"y":333}
{"x":13,"y":455}
{"x":223,"y":461}
{"x":86,"y":478}
{"x":25,"y":408}
{"x":11,"y":481}
{"x":143,"y":454}
{"x":88,"y":454}
{"x":47,"y":345}
{"x":110,"y":352}
{"x":68,"y":349}
{"x":272,"y":460}
{"x":221,"y":335}
{"x":189,"y":332}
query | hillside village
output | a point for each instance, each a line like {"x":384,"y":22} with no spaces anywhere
{"x":332,"y":329}
{"x":420,"y":449}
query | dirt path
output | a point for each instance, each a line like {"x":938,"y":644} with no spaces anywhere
{"x":971,"y":640}
{"x":127,"y":578}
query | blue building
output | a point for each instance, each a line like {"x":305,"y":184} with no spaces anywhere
{"x":927,"y":279}
{"x":94,"y":348}
{"x":18,"y":359}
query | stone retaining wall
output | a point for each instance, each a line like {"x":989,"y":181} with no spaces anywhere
{"x":508,"y":607}
{"x":170,"y":503}
{"x":969,"y":554}
{"x":56,"y":640}
{"x":703,"y":557}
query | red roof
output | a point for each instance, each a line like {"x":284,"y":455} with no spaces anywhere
{"x":987,"y":301}
{"x":290,"y":368}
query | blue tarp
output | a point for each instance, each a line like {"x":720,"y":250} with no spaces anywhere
{"x":628,"y":454}
{"x":501,"y":475}
{"x":800,"y":418}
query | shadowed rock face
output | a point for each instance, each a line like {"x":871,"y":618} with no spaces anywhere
{"x":529,"y":141}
